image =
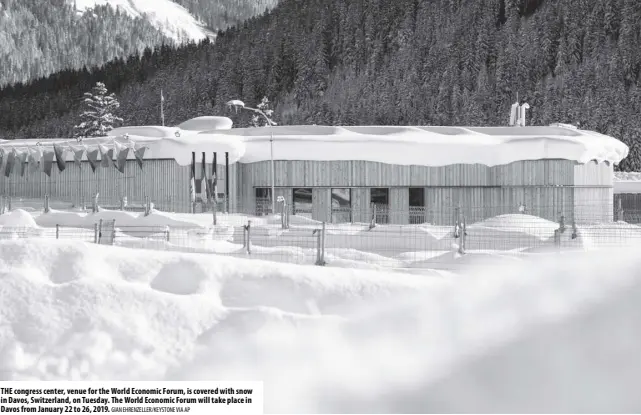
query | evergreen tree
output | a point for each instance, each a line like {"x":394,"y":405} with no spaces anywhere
{"x":98,"y":119}
{"x":264,"y":106}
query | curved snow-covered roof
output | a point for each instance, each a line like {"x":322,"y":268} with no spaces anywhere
{"x":430,"y":146}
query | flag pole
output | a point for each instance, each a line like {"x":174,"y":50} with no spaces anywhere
{"x":162,"y":108}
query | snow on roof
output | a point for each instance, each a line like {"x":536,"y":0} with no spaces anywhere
{"x":206,"y":124}
{"x":430,"y":146}
{"x":404,"y":145}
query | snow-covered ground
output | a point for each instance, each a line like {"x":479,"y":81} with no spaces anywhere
{"x":553,"y":333}
{"x":407,"y":248}
{"x":174,"y":20}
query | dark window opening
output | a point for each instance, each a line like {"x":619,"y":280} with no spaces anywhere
{"x":302,"y":205}
{"x":417,"y":205}
{"x":263,"y":201}
{"x":379,"y":197}
{"x":341,"y":205}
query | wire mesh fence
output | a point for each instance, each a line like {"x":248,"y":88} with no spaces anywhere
{"x":368,"y":243}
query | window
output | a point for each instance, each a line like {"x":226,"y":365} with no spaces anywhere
{"x":341,"y":205}
{"x":380,"y":198}
{"x":263,"y":201}
{"x":417,"y":205}
{"x":302,"y":202}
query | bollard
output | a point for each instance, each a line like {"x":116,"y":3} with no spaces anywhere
{"x":619,"y":210}
{"x":57,"y":231}
{"x":167,"y":232}
{"x":46,"y":203}
{"x":95,"y":233}
{"x":8,"y":203}
{"x":100,"y":231}
{"x":95,"y":203}
{"x":123,"y":202}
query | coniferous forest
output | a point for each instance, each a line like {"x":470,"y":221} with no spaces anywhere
{"x":40,"y":37}
{"x":397,"y":62}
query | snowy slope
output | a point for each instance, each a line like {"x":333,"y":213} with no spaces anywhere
{"x":174,"y":20}
{"x":557,"y":335}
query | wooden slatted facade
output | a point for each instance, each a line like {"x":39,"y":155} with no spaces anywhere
{"x":547,"y":188}
{"x":164,"y":181}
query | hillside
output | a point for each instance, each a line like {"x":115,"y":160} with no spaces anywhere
{"x":393,"y":62}
{"x":173,"y":20}
{"x":40,"y":37}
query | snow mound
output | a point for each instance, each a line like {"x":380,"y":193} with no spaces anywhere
{"x":174,"y":20}
{"x":18,"y":218}
{"x":330,"y":340}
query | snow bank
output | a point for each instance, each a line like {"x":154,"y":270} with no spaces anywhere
{"x":18,"y":218}
{"x":329,"y":340}
{"x":123,"y":219}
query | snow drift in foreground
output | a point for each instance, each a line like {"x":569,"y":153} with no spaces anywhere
{"x":560,"y":336}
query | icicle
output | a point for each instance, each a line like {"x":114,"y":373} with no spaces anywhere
{"x":139,"y":152}
{"x":11,"y":159}
{"x":47,"y":161}
{"x":92,"y":156}
{"x":78,"y":152}
{"x":121,"y":153}
{"x":61,"y":159}
{"x":23,"y":161}
{"x":35,"y":157}
{"x":106,"y":155}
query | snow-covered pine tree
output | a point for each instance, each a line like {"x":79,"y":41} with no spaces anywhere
{"x":264,"y":106}
{"x":98,"y":119}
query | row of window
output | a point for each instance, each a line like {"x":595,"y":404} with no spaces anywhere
{"x":341,"y":199}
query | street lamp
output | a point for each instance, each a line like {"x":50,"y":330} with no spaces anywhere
{"x":240,"y":104}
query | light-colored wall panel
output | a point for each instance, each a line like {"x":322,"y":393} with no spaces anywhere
{"x":399,"y":205}
{"x":361,"y":204}
{"x":321,"y":204}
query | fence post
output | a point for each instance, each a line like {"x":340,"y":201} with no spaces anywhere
{"x":95,"y":233}
{"x":323,"y":245}
{"x":95,"y":203}
{"x":46,"y":203}
{"x":248,"y":229}
{"x":461,"y":247}
{"x":214,"y":209}
{"x":1,"y":204}
{"x":57,"y":231}
{"x":318,"y":245}
{"x":9,"y":203}
{"x":372,"y":223}
{"x":167,"y":231}
{"x":619,"y":210}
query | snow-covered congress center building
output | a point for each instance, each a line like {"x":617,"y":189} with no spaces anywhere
{"x":329,"y":173}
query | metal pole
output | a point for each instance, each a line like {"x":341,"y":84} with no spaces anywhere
{"x":271,"y":149}
{"x":226,"y":182}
